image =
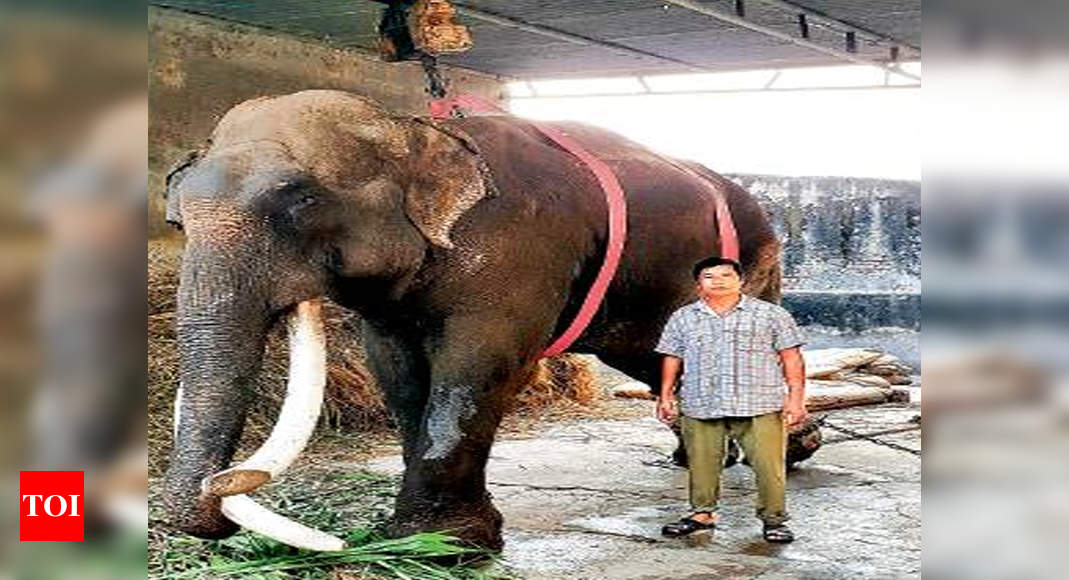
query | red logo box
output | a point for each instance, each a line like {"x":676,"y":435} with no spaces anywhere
{"x":51,"y":506}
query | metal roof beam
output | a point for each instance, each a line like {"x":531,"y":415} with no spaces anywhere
{"x":681,"y":92}
{"x":743,"y":23}
{"x":831,"y":22}
{"x":569,"y":37}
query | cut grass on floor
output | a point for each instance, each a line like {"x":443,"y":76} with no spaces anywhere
{"x":333,"y":501}
{"x":416,"y":556}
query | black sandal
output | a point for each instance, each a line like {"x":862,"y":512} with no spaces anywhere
{"x":780,"y":534}
{"x":686,"y":526}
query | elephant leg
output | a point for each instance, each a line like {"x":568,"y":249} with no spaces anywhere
{"x":647,"y":368}
{"x":472,"y":380}
{"x":402,"y":375}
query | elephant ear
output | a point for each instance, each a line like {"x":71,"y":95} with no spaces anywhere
{"x":448,"y":177}
{"x":174,"y":176}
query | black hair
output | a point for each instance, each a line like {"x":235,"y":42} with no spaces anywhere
{"x":716,"y":261}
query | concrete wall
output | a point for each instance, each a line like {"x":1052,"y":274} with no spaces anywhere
{"x":200,"y":67}
{"x":843,"y":234}
{"x":851,"y":257}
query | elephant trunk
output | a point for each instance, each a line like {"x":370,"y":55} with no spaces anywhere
{"x":221,"y":338}
{"x":221,"y":335}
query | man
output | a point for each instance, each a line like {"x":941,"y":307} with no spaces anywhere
{"x":736,"y":353}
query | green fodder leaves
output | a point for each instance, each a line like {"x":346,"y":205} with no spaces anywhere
{"x":417,"y":556}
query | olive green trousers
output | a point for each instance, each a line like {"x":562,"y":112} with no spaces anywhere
{"x":763,"y":440}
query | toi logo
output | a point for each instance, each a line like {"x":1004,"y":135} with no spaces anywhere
{"x":51,"y":506}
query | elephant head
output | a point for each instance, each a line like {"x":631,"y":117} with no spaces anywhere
{"x":293,"y":196}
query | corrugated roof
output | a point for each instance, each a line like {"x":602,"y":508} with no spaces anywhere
{"x":606,"y":37}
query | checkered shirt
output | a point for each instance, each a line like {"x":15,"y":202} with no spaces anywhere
{"x":731,"y":365}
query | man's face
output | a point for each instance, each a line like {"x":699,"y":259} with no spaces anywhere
{"x":719,"y":281}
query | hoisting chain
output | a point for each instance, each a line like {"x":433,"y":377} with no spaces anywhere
{"x":437,"y":86}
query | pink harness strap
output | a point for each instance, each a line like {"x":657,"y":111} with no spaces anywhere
{"x":614,"y":197}
{"x":729,"y":238}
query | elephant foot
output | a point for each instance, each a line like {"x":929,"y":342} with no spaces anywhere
{"x":804,"y":442}
{"x":476,"y":524}
{"x":679,"y":457}
{"x":733,"y":454}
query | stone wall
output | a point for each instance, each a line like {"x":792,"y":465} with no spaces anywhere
{"x":200,"y":67}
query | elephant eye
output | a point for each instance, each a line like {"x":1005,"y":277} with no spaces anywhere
{"x":300,"y":209}
{"x":295,"y":196}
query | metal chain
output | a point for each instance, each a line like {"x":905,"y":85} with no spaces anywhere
{"x":437,"y":86}
{"x":871,"y":437}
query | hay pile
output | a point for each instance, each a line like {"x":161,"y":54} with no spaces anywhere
{"x":164,"y":262}
{"x":562,"y":387}
{"x":353,"y":404}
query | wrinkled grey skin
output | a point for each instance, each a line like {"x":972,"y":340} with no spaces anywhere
{"x":466,"y":247}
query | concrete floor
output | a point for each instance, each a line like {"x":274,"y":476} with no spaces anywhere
{"x":586,"y":500}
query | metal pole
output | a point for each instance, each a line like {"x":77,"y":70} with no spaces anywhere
{"x":772,"y":80}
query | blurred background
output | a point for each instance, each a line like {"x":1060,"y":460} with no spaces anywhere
{"x":73,"y":116}
{"x":996,"y":275}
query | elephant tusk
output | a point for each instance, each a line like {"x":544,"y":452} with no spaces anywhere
{"x":177,"y":417}
{"x":299,"y":413}
{"x":242,"y":510}
{"x":296,"y":421}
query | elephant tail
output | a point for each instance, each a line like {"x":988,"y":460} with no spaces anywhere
{"x":764,"y":279}
{"x":760,"y":249}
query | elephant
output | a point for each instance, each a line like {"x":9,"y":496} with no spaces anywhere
{"x":466,"y":246}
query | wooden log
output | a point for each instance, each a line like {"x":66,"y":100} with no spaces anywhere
{"x":632,"y":390}
{"x":822,"y":398}
{"x":434,"y":28}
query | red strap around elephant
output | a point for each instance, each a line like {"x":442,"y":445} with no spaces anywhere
{"x":614,"y":197}
{"x":729,"y":238}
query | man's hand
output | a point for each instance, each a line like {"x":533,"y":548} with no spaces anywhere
{"x":666,"y":404}
{"x":794,"y":413}
{"x":666,"y":410}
